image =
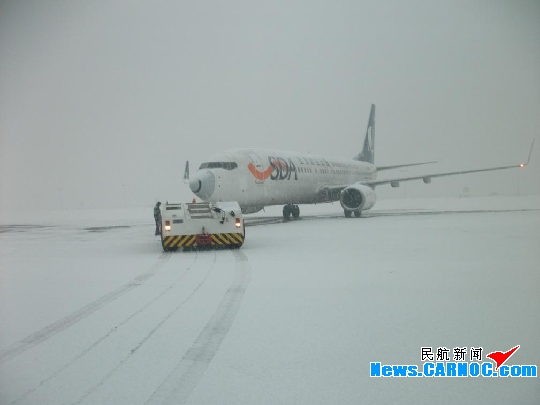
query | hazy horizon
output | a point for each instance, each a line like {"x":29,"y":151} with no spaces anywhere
{"x":101,"y":103}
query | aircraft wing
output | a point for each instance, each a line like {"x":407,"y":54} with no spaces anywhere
{"x":381,"y":168}
{"x":427,"y":177}
{"x":394,"y":182}
{"x":331,"y":193}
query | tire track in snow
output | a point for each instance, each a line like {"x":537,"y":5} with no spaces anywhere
{"x":104,"y":337}
{"x":180,"y":383}
{"x":148,"y":336}
{"x":62,"y":324}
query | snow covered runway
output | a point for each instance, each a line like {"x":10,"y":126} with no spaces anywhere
{"x":92,"y":310}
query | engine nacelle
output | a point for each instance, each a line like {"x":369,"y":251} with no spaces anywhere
{"x":357,"y":197}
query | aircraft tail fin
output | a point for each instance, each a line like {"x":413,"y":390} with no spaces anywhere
{"x":368,"y":151}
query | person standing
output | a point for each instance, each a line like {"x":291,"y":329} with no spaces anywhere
{"x":157,"y":217}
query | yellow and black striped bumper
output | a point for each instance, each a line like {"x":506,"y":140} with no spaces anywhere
{"x":178,"y":241}
{"x":227,"y":239}
{"x":218,"y":239}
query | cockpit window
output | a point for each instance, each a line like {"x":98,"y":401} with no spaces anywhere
{"x":230,"y":165}
{"x":219,"y":165}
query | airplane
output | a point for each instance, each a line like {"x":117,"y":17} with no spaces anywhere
{"x":257,"y":178}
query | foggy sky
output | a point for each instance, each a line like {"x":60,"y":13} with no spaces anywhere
{"x":101,"y":103}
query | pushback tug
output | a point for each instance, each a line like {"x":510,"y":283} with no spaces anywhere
{"x":202,"y":225}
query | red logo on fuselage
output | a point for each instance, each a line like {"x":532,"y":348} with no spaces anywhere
{"x":258,"y":174}
{"x":279,"y":169}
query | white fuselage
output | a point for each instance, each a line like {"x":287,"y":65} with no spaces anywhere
{"x":262,"y":177}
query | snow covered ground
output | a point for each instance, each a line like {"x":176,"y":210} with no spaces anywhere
{"x":92,"y":310}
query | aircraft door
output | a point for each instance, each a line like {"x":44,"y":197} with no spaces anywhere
{"x":258,"y":171}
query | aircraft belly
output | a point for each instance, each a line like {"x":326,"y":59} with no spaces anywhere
{"x":287,"y":192}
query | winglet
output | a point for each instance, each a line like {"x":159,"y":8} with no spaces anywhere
{"x":530,"y":151}
{"x":186,"y":172}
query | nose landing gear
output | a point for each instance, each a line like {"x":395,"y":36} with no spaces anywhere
{"x":291,"y":209}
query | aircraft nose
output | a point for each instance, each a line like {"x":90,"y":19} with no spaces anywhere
{"x":203,"y":184}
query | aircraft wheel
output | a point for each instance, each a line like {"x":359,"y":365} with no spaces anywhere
{"x":357,"y":213}
{"x":347,"y":213}
{"x":295,"y":211}
{"x":286,"y":211}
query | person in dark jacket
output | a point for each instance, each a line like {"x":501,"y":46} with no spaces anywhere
{"x":157,"y":217}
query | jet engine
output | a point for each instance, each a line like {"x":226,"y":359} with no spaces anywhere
{"x":357,"y":197}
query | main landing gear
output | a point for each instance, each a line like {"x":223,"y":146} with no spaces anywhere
{"x":291,"y":209}
{"x":357,"y":213}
